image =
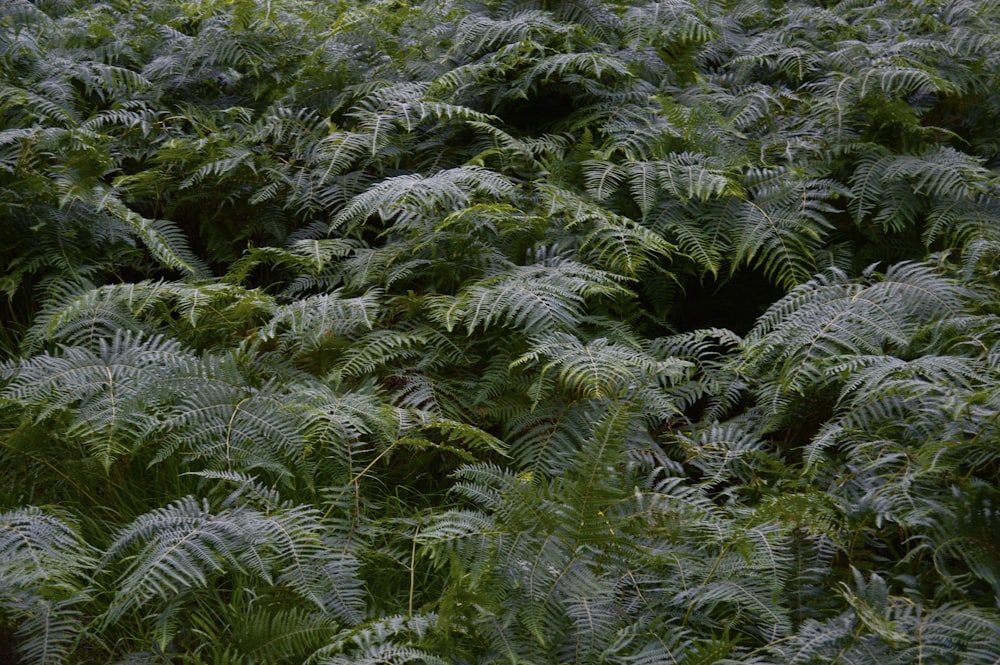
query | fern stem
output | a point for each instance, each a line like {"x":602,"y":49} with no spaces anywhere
{"x":413,"y":573}
{"x":365,"y":470}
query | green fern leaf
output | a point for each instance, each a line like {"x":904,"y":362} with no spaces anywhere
{"x":105,"y":389}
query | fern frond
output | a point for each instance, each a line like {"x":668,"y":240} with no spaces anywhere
{"x":830,"y":317}
{"x":400,"y":197}
{"x":674,"y":22}
{"x":269,"y":635}
{"x":533,"y":298}
{"x":182,"y":546}
{"x":50,"y":631}
{"x":598,"y":368}
{"x":105,"y":389}
{"x":226,"y":426}
{"x":694,"y":176}
{"x":388,"y":638}
{"x":884,"y":627}
{"x":729,"y":453}
{"x":593,"y":66}
{"x":83,"y":318}
{"x":543,"y":439}
{"x":711,"y":381}
{"x":703,"y":238}
{"x":44,"y":563}
{"x":889,"y":188}
{"x":79,"y":316}
{"x":309,"y":323}
{"x":41,"y":552}
{"x":164,"y":239}
{"x":380,"y":349}
{"x":614,"y":242}
{"x":481,"y":33}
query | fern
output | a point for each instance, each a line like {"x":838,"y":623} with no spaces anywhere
{"x":599,"y":368}
{"x":534,"y":298}
{"x":104,"y":387}
{"x":83,"y":317}
{"x":266,"y":634}
{"x":884,"y":186}
{"x":227,"y":427}
{"x":309,"y":323}
{"x":430,"y":269}
{"x":481,"y":33}
{"x":614,"y":242}
{"x":879,"y":626}
{"x":678,"y":22}
{"x":450,"y":189}
{"x":181,"y":546}
{"x":163,"y":239}
{"x":830,"y":317}
{"x":44,"y":564}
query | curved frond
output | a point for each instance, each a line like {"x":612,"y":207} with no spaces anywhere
{"x":400,"y":198}
{"x":533,"y":298}
{"x":106,"y":390}
{"x":183,"y":546}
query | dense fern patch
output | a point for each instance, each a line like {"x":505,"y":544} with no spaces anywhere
{"x":499,"y":332}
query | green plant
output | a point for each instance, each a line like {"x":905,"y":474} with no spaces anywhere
{"x":396,"y":332}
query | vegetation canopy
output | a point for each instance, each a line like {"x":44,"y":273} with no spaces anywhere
{"x":497,"y":331}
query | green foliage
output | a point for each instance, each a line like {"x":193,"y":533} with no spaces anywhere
{"x":367,"y":332}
